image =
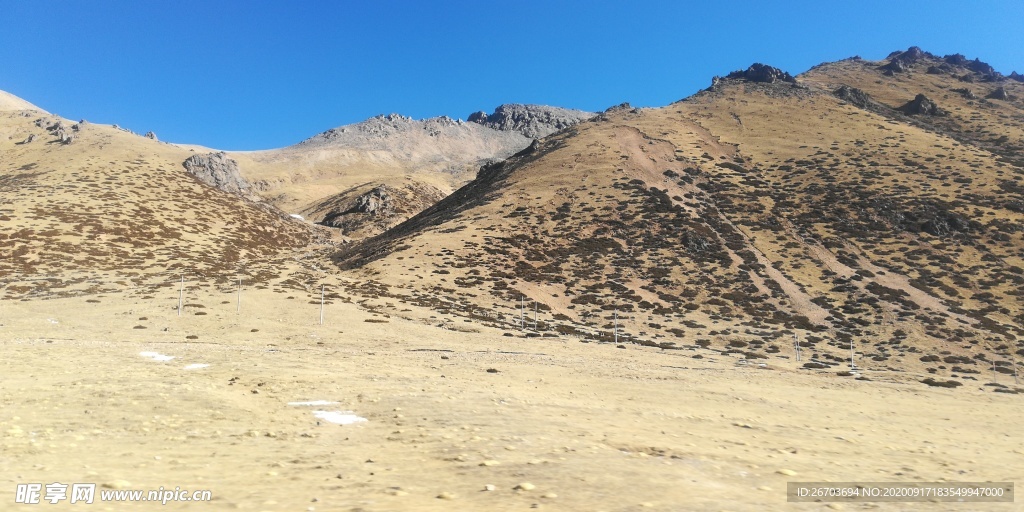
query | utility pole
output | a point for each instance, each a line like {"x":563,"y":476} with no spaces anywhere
{"x":535,"y":315}
{"x":238,"y":306}
{"x":321,"y":304}
{"x":181,"y":293}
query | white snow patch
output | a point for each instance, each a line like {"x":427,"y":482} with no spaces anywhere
{"x":156,"y":356}
{"x":196,"y":366}
{"x":313,"y":402}
{"x":339,"y":417}
{"x":297,"y":216}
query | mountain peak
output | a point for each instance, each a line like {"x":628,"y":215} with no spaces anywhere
{"x":9,"y":102}
{"x":533,"y":121}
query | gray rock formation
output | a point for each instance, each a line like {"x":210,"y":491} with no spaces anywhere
{"x":999,"y":94}
{"x":854,"y":96}
{"x":923,"y":106}
{"x":1016,"y":77}
{"x":966,"y":93}
{"x":151,"y":135}
{"x":533,"y":121}
{"x":217,"y":170}
{"x":762,"y":73}
{"x":375,"y":202}
{"x":64,"y":134}
{"x":360,"y":212}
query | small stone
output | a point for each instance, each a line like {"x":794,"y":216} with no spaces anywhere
{"x":764,"y":488}
{"x":489,"y":487}
{"x":549,"y":495}
{"x":117,"y":484}
{"x":489,"y":463}
{"x":525,"y":486}
{"x":446,"y":496}
{"x":835,"y":506}
{"x":787,"y":472}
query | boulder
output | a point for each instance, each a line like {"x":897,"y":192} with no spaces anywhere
{"x":375,"y":202}
{"x":922,"y":106}
{"x":998,"y":94}
{"x":966,"y":93}
{"x":853,"y":96}
{"x":1016,"y":76}
{"x":151,"y":135}
{"x":217,"y":170}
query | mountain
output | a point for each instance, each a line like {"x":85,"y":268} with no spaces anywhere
{"x":10,"y":102}
{"x":864,"y":207}
{"x":82,"y":203}
{"x":533,"y":121}
{"x":324,"y":176}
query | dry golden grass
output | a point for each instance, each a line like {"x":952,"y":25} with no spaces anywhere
{"x":741,"y":219}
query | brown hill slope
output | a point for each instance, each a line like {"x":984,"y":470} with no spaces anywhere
{"x":740,"y":218}
{"x":84,"y":206}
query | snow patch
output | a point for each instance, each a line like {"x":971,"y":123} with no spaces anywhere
{"x":196,"y":366}
{"x":156,"y":356}
{"x":297,"y":216}
{"x":339,"y":417}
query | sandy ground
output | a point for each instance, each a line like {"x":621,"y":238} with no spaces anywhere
{"x":590,"y":426}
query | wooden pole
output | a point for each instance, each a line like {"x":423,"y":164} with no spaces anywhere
{"x":853,"y":366}
{"x":616,"y":315}
{"x":181,"y":293}
{"x":522,"y":312}
{"x":238,"y":305}
{"x":535,"y":315}
{"x":321,"y":304}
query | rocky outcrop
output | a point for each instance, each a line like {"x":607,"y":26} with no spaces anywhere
{"x":375,"y":202}
{"x":761,"y":73}
{"x":922,"y":106}
{"x":1016,"y":77}
{"x":998,"y":94}
{"x":64,"y":134}
{"x":217,"y":170}
{"x":151,"y":135}
{"x":901,"y":62}
{"x":854,"y":96}
{"x":966,"y":93}
{"x":533,"y":121}
{"x":360,"y":213}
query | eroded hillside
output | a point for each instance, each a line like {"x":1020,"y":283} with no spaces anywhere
{"x":86,"y":208}
{"x":762,"y":211}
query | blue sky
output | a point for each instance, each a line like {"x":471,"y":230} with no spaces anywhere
{"x":260,"y":74}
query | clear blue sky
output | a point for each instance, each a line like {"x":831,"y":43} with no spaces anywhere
{"x":258,"y":74}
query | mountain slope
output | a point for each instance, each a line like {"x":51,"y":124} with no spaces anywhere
{"x":320,"y":177}
{"x":753,"y":212}
{"x":9,"y":102}
{"x":82,"y":203}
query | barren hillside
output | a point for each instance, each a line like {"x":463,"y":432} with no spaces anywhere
{"x":761,"y":211}
{"x":324,"y":176}
{"x":85,"y":206}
